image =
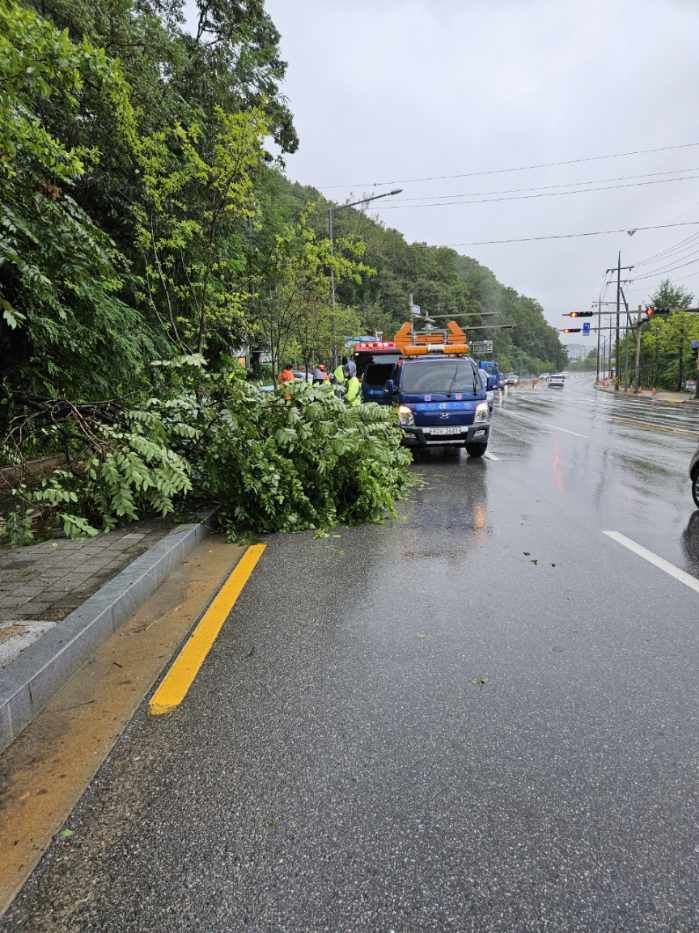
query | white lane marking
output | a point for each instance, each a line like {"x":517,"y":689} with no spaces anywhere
{"x":550,"y":427}
{"x":654,"y":426}
{"x":652,"y":558}
{"x":554,"y":427}
{"x":489,"y":456}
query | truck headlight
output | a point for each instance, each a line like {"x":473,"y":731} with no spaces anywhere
{"x":405,"y":415}
{"x":481,"y":412}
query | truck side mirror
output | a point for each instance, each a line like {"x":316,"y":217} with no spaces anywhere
{"x":389,"y":386}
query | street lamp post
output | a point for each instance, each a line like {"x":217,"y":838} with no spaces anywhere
{"x":331,"y":216}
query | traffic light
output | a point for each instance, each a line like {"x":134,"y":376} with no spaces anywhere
{"x":651,"y":311}
{"x":571,"y":330}
{"x":578,"y":314}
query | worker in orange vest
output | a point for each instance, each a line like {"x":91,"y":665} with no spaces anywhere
{"x":286,"y":375}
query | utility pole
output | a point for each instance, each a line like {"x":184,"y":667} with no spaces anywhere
{"x":616,"y":345}
{"x":626,"y":343}
{"x":599,"y":303}
{"x":617,"y":269}
{"x":637,"y":371}
{"x":604,"y":354}
{"x":599,"y":333}
{"x":331,"y":214}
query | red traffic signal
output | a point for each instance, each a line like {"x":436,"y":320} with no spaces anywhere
{"x":578,"y":314}
{"x":571,"y":330}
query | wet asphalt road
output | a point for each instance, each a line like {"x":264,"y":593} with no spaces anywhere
{"x":479,"y":717}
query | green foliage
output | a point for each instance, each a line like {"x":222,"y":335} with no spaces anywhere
{"x":293,"y":286}
{"x":295,"y":459}
{"x":123,"y":469}
{"x":300,"y":458}
{"x":666,"y":360}
{"x":442,"y":282}
{"x":199,"y":192}
{"x":60,"y":275}
{"x":127,"y":203}
{"x":671,"y":296}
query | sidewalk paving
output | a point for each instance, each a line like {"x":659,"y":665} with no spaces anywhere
{"x":40,"y":585}
{"x":675,"y":398}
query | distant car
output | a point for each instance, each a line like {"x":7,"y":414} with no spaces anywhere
{"x":511,"y":379}
{"x":556,"y":381}
{"x":694,"y":476}
{"x":544,"y":377}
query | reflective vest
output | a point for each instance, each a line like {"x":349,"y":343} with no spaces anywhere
{"x":339,"y":374}
{"x":354,"y":388}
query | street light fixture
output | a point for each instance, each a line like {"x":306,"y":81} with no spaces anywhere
{"x":331,"y":214}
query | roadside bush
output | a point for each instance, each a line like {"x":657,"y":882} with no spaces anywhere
{"x":288,"y":460}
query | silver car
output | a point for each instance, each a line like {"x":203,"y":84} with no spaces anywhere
{"x":694,"y":476}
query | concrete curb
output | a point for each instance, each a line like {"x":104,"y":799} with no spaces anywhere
{"x":29,"y":682}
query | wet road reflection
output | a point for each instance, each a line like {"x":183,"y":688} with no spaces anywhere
{"x":607,"y":462}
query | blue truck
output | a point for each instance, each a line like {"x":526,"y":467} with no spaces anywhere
{"x":442,"y":402}
{"x":434,"y":385}
{"x":496,"y":379}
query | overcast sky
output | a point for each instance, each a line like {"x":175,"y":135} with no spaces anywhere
{"x":393,"y":90}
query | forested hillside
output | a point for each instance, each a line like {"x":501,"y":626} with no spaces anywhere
{"x":441,"y":281}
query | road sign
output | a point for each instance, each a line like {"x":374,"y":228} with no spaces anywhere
{"x":479,"y":347}
{"x":586,"y":328}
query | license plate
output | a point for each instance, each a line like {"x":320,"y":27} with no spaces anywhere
{"x":454,"y":429}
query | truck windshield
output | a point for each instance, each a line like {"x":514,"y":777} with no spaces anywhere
{"x":439,"y":377}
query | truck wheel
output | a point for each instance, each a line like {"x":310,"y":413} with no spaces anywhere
{"x":695,"y":488}
{"x":476,"y":450}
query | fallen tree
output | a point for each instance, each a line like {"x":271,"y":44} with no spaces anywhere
{"x":288,"y":460}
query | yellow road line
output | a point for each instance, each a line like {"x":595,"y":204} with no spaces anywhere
{"x":174,"y":686}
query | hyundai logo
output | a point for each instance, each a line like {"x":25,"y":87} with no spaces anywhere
{"x":444,"y":415}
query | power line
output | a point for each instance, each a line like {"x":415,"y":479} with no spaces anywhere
{"x":567,"y":184}
{"x":652,"y":275}
{"x":518,"y":168}
{"x":570,"y":236}
{"x":689,"y":251}
{"x":543,"y":194}
{"x":682,"y":278}
{"x":680,"y":246}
